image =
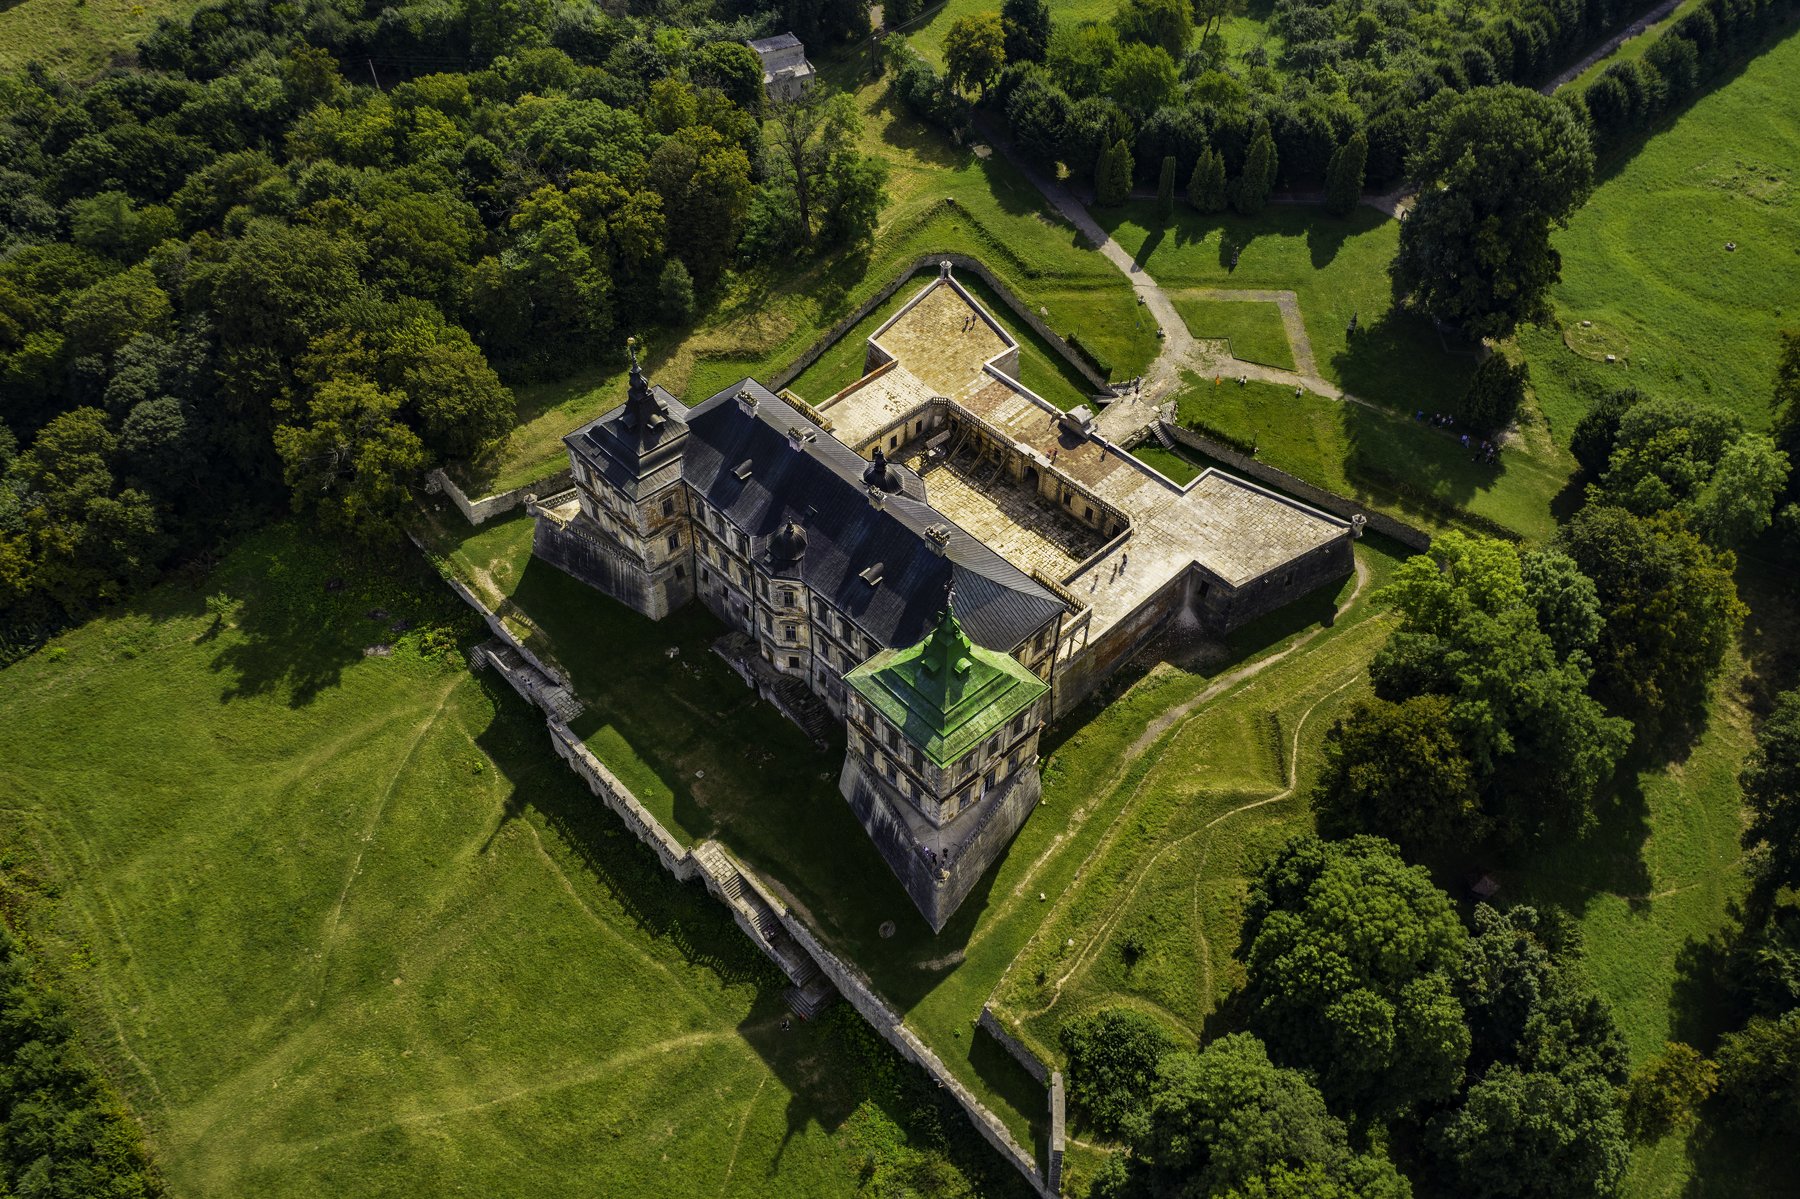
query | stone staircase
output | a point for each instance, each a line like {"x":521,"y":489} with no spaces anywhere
{"x":1162,"y":436}
{"x":549,"y":693}
{"x":811,"y":991}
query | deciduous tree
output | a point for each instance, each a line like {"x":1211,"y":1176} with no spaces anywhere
{"x":1112,"y":1056}
{"x":1771,"y":785}
{"x":1503,"y":168}
{"x":975,"y":51}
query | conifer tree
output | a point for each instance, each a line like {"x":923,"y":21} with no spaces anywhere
{"x":1344,"y":177}
{"x":1206,"y":186}
{"x":1258,"y":179}
{"x":1165,"y":189}
{"x":1112,"y":176}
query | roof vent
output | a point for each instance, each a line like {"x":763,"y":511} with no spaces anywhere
{"x":743,"y":469}
{"x":747,"y":400}
{"x":938,"y":537}
{"x":877,"y":498}
{"x":872,"y":576}
{"x":1079,"y":419}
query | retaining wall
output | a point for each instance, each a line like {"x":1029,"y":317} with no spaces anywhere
{"x":489,"y":506}
{"x":961,"y":262}
{"x":855,"y":987}
{"x":1034,"y":1067}
{"x":1330,"y":501}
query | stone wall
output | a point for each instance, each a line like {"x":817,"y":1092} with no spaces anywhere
{"x":1095,"y":662}
{"x":1318,"y":497}
{"x":1033,"y":1065}
{"x":489,"y":506}
{"x":683,"y":864}
{"x":960,"y":262}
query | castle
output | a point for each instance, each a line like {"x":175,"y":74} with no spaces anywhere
{"x":935,"y":558}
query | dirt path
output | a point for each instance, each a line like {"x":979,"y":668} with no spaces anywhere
{"x":1640,"y":26}
{"x":1137,"y":409}
{"x":1299,"y":344}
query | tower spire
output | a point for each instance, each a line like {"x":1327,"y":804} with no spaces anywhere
{"x":643,"y":410}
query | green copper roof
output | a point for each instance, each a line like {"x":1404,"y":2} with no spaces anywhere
{"x":946,"y":693}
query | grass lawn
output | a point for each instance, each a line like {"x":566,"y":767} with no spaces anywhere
{"x":77,"y":37}
{"x":343,"y":924}
{"x":1173,"y":464}
{"x":711,"y":760}
{"x":1368,"y":455}
{"x":1337,"y":268}
{"x":1254,"y":329}
{"x":1645,"y":259}
{"x":941,"y":197}
{"x":1040,"y":368}
{"x":1154,"y":921}
{"x":927,"y":36}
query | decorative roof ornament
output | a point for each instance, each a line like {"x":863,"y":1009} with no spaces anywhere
{"x":879,"y":474}
{"x":643,"y":410}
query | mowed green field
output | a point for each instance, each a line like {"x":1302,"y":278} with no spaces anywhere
{"x":1645,"y":259}
{"x":1372,"y":455}
{"x":78,"y":36}
{"x":1253,"y":328}
{"x":1337,"y":267}
{"x":343,"y":924}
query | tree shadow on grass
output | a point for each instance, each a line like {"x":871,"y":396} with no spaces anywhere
{"x":1399,"y":361}
{"x":310,"y":607}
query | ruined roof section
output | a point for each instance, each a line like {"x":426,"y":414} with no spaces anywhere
{"x":872,"y":560}
{"x":946,"y":693}
{"x":781,"y":41}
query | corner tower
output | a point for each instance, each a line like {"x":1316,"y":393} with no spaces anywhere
{"x":942,"y":762}
{"x":632,"y":537}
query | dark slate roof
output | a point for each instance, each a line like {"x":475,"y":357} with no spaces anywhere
{"x":636,"y":446}
{"x":819,"y":486}
{"x":781,"y":41}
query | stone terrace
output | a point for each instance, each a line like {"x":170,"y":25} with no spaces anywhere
{"x":943,"y":339}
{"x":1020,"y":526}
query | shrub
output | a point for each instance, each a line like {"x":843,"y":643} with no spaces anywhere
{"x":1112,"y":1063}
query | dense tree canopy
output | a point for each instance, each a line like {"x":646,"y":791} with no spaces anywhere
{"x":1112,"y":1056}
{"x":1698,"y":461}
{"x":1671,"y":610}
{"x":235,"y":276}
{"x":1501,"y":169}
{"x":1350,"y":956}
{"x":1771,"y":783}
{"x":1501,"y":640}
{"x":1227,"y":1120}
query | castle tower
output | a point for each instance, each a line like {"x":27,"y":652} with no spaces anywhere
{"x":632,"y":538}
{"x":942,"y":762}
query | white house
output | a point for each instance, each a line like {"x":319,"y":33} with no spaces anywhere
{"x":786,"y":73}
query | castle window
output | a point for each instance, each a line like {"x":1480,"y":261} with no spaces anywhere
{"x":789,"y":632}
{"x":669,"y":507}
{"x":705,"y":575}
{"x":680,"y":573}
{"x":1019,"y":724}
{"x":674,"y":541}
{"x":793,"y":662}
{"x":1090,"y":512}
{"x":787,"y":597}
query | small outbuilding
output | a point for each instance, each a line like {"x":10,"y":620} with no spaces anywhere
{"x":786,"y":73}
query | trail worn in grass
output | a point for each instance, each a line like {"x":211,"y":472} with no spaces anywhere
{"x":343,"y":924}
{"x":1645,"y":258}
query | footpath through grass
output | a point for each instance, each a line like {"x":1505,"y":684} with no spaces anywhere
{"x":1391,"y":463}
{"x":343,"y":924}
{"x":942,"y":197}
{"x":711,"y":760}
{"x":1337,"y":267}
{"x":1645,"y":259}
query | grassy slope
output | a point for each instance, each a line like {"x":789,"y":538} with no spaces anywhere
{"x":343,"y":925}
{"x":1254,"y":329}
{"x":1336,"y":267}
{"x":1645,"y":259}
{"x":78,"y":36}
{"x":1040,"y":368}
{"x":711,"y":760}
{"x":941,"y":197}
{"x":1355,"y":451}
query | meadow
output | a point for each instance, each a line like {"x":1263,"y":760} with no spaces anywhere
{"x":77,"y":37}
{"x":1645,"y":259}
{"x":1392,"y":463}
{"x":1253,"y":329}
{"x":710,"y":760}
{"x":339,"y":922}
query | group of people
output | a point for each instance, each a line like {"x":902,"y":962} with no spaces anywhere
{"x":1481,"y":449}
